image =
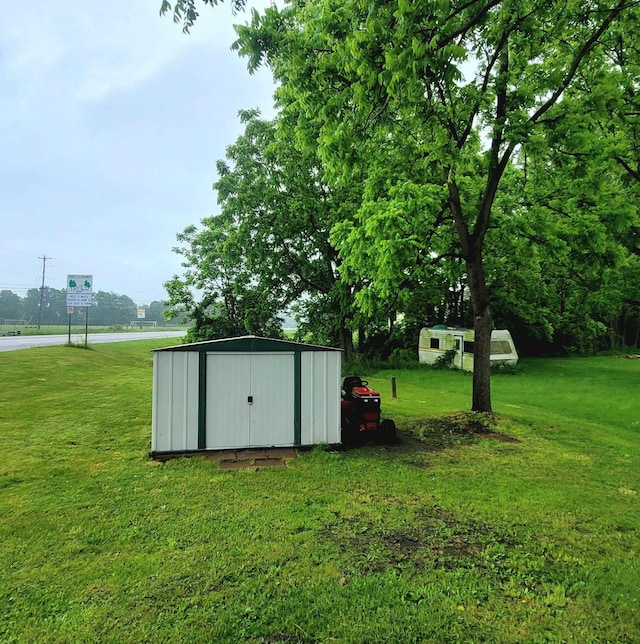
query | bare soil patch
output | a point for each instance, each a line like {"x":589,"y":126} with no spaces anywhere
{"x":431,"y":434}
{"x":435,"y":538}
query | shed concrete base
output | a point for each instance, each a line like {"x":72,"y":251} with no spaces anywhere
{"x":258,"y":457}
{"x":235,"y":458}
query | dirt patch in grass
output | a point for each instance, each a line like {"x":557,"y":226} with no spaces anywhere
{"x":430,"y":434}
{"x":435,"y":538}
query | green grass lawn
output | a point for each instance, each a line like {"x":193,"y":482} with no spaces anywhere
{"x":463,"y":539}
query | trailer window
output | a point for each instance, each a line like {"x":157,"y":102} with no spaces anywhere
{"x":500,"y":346}
{"x":435,"y":343}
{"x":468,"y":346}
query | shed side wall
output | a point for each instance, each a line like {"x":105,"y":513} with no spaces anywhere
{"x":320,"y":397}
{"x":175,"y":402}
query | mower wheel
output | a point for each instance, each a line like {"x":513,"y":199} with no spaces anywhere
{"x":388,"y":429}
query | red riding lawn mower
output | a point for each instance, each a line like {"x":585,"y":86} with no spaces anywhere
{"x":360,"y":412}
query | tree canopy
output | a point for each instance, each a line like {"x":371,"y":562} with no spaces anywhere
{"x":185,"y":11}
{"x":495,"y":143}
{"x":271,"y":241}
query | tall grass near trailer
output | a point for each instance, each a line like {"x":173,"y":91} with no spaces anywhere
{"x":461,"y":538}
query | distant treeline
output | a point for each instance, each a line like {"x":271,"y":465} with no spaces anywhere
{"x":49,"y":307}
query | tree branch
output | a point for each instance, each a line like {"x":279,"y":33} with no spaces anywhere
{"x":582,"y":52}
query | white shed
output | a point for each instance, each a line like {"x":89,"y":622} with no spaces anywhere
{"x":244,"y":392}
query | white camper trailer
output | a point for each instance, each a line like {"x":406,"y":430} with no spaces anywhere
{"x":436,"y":341}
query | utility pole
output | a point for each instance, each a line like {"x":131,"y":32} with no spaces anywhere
{"x":44,"y":259}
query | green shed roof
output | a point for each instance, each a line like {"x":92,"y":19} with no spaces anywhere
{"x":248,"y":344}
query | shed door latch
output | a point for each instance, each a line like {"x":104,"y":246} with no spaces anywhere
{"x":250,"y":400}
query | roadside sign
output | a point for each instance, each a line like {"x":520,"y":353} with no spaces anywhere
{"x":69,"y":310}
{"x":79,"y":290}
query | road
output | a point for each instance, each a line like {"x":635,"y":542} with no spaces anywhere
{"x":10,"y":343}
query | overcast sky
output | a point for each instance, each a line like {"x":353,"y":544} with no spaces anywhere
{"x":111,"y":121}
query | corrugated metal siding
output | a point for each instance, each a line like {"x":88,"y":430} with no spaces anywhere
{"x":234,"y":422}
{"x":227,"y":421}
{"x":287,"y":387}
{"x":320,"y":400}
{"x":273,"y":408}
{"x":175,"y":402}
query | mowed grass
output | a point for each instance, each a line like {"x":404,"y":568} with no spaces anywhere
{"x":462,"y":539}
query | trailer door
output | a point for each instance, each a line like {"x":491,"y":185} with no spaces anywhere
{"x":458,"y":345}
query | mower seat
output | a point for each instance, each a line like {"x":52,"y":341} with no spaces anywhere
{"x":349,"y":383}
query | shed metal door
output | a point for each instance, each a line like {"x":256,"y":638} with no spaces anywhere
{"x":250,"y":400}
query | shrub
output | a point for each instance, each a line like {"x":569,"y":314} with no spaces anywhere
{"x":445,"y":361}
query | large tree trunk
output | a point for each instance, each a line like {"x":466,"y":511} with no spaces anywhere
{"x":482,"y":326}
{"x":361,"y":339}
{"x":471,"y":246}
{"x":346,"y":342}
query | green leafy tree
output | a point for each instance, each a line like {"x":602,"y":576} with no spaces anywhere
{"x":112,"y":308}
{"x":283,"y":210}
{"x":154,"y":312}
{"x":580,"y":210}
{"x":217,"y":292}
{"x":468,"y":83}
{"x":47,"y":305}
{"x":580,"y":191}
{"x":185,"y":12}
{"x":9,"y":305}
{"x":273,"y":233}
{"x":465,"y":91}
